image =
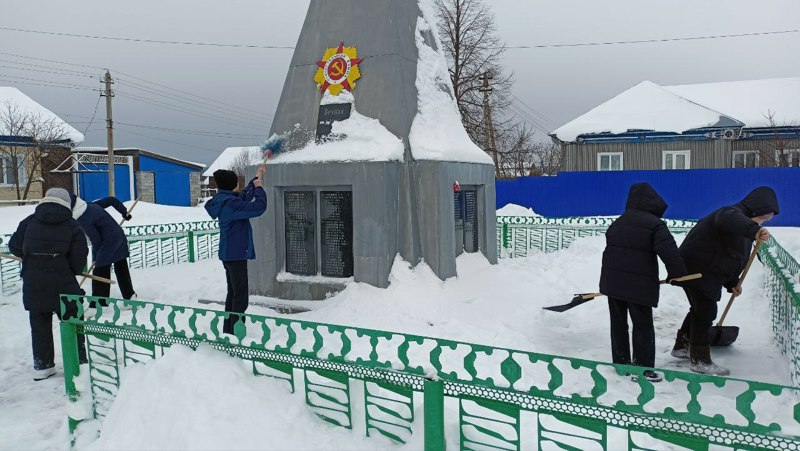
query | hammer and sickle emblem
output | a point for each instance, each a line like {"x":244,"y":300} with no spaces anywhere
{"x":337,"y":68}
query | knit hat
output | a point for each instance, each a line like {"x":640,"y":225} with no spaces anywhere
{"x":58,"y":196}
{"x":225,"y":179}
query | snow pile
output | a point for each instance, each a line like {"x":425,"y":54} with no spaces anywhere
{"x":749,"y":101}
{"x":228,"y":156}
{"x":365,"y":140}
{"x":437,"y":132}
{"x":207,"y":400}
{"x":26,"y":105}
{"x":645,"y":106}
{"x":516,"y":210}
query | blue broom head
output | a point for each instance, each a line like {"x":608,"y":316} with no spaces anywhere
{"x":273,"y":145}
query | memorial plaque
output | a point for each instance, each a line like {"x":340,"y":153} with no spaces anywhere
{"x":470,"y":221}
{"x":328,"y":114}
{"x":336,"y":230}
{"x":300,"y":211}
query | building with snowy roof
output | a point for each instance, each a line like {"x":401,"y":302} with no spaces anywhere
{"x":229,"y":159}
{"x":710,"y":125}
{"x":375,"y":166}
{"x":33,"y":140}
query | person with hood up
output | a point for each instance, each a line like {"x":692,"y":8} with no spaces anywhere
{"x":53,"y":250}
{"x":629,"y":275}
{"x":719,"y":246}
{"x":109,"y":244}
{"x":233,"y":209}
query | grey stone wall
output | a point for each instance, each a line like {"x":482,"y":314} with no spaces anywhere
{"x":146,"y":186}
{"x":194,"y":187}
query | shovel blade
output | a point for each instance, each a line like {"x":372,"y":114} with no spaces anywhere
{"x":723,"y":336}
{"x":576,"y":301}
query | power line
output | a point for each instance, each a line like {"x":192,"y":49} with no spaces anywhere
{"x":149,"y":41}
{"x":650,"y":41}
{"x":93,"y":115}
{"x":51,"y":61}
{"x":543,"y":118}
{"x":46,"y":69}
{"x":216,"y":151}
{"x":49,"y":83}
{"x":194,"y":132}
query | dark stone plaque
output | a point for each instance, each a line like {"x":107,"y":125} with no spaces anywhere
{"x":336,"y":230}
{"x":300,"y":211}
{"x":470,"y":221}
{"x":328,"y":114}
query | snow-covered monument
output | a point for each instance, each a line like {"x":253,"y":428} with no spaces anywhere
{"x":376,"y":163}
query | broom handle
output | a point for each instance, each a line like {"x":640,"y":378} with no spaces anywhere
{"x":741,"y":279}
{"x":85,"y":275}
{"x":91,"y":268}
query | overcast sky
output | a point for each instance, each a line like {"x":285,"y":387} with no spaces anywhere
{"x":559,"y":83}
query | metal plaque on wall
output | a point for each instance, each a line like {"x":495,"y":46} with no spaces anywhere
{"x":328,"y":114}
{"x":336,"y":233}
{"x":300,"y":211}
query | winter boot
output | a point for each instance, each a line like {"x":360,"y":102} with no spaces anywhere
{"x":40,"y":375}
{"x":700,"y":356}
{"x":650,"y":375}
{"x":681,"y":348}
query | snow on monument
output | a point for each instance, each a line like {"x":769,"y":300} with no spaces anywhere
{"x":375,"y":163}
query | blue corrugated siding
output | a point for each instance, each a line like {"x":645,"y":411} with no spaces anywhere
{"x":94,"y":185}
{"x":690,"y":194}
{"x":171,"y":180}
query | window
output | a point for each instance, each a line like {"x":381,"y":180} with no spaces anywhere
{"x":745,"y":159}
{"x":676,"y":159}
{"x":790,"y":158}
{"x":8,"y":174}
{"x":318,"y":234}
{"x":609,"y":161}
{"x":465,"y":203}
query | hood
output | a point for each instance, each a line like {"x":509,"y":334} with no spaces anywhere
{"x":760,"y":201}
{"x":51,"y":212}
{"x":644,"y":197}
{"x":214,"y":206}
{"x":78,"y":207}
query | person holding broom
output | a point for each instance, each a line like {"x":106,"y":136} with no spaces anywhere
{"x":719,"y":247}
{"x":629,"y":275}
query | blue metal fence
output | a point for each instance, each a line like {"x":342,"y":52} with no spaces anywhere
{"x":691,"y":194}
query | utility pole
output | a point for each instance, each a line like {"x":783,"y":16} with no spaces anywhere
{"x":109,"y":131}
{"x":489,"y":145}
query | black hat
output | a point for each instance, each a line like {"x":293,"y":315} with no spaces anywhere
{"x":225,"y":179}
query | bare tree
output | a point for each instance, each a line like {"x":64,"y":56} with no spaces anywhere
{"x":779,"y":151}
{"x":244,"y":159}
{"x":32,"y":136}
{"x":548,"y":159}
{"x":524,"y":156}
{"x":473,"y":48}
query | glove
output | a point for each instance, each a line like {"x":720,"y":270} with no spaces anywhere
{"x":128,"y":217}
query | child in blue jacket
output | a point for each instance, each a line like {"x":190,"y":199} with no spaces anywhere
{"x":233,"y":208}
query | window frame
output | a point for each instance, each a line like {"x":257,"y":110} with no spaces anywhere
{"x":600,"y":156}
{"x":22,"y":175}
{"x":735,"y":153}
{"x":686,"y":153}
{"x":794,"y":157}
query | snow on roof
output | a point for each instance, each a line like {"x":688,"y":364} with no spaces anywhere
{"x":645,"y":106}
{"x":226,"y":158}
{"x":437,"y":132}
{"x":749,"y":101}
{"x":27,"y":105}
{"x":366,"y":139}
{"x":648,"y":106}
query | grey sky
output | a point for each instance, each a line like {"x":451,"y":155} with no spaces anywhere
{"x":560,"y":83}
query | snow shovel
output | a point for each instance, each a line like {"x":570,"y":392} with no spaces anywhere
{"x":720,"y":335}
{"x":85,"y":275}
{"x":120,"y":223}
{"x":586,"y":297}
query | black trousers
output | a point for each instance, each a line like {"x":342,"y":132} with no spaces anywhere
{"x":238,"y":297}
{"x":702,"y":312}
{"x":644,"y":335}
{"x":42,"y":337}
{"x":123,"y":275}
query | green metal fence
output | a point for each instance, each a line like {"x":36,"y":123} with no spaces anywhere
{"x":782,"y":285}
{"x":507,"y":399}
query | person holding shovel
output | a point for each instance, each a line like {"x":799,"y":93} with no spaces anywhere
{"x":719,"y":246}
{"x":109,"y":244}
{"x":53,"y":250}
{"x":629,"y":275}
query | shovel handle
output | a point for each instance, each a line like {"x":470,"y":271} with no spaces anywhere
{"x":741,"y":279}
{"x":589,"y":296}
{"x":91,"y":268}
{"x":85,"y":275}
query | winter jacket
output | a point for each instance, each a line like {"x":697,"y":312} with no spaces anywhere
{"x":109,"y":244}
{"x":720,"y":244}
{"x":53,"y":250}
{"x":234,"y":210}
{"x":630,"y":268}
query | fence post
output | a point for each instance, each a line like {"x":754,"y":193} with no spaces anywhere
{"x":433,"y":402}
{"x":505,"y":236}
{"x":69,"y":352}
{"x":191,"y":247}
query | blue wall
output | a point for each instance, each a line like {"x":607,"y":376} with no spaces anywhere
{"x":94,"y":185}
{"x":171,"y":180}
{"x":691,"y":194}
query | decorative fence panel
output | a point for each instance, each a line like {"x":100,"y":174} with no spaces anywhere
{"x":782,"y":284}
{"x":507,"y":398}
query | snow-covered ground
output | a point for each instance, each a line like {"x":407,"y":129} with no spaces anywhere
{"x":789,"y":238}
{"x":494,"y":305}
{"x":516,"y":210}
